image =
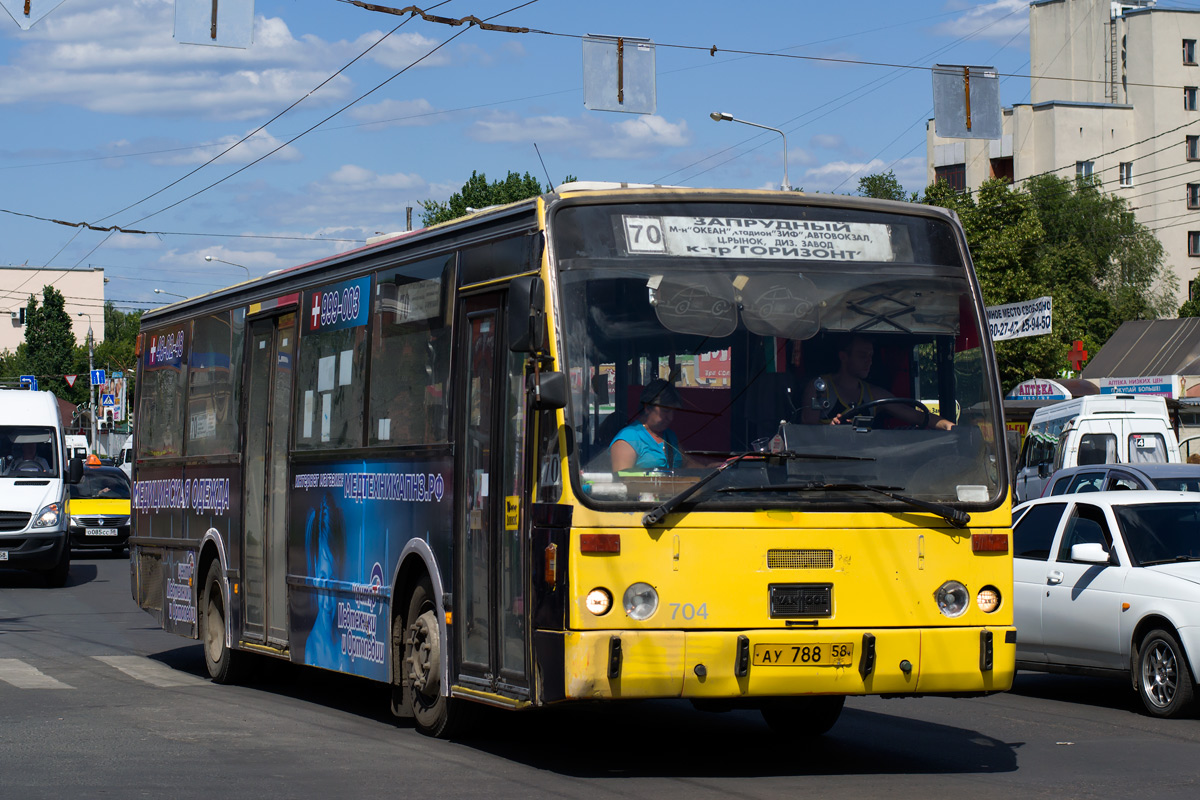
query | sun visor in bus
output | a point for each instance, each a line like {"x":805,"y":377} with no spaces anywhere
{"x":787,"y":306}
{"x":909,"y":306}
{"x":694,"y":303}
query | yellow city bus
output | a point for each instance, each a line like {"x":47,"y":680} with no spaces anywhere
{"x":611,"y":442}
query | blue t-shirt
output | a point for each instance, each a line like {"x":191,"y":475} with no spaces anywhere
{"x":651,"y":454}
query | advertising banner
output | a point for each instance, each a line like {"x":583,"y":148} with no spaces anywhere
{"x":1039,"y":389}
{"x":1015,"y":320}
{"x":1160,"y":385}
{"x":349,"y":523}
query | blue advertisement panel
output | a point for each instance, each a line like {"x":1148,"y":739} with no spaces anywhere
{"x":349,"y":524}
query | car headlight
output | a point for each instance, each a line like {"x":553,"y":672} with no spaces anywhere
{"x":641,"y":601}
{"x":48,"y":516}
{"x":952,"y":598}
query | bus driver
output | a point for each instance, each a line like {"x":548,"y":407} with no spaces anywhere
{"x":849,"y":389}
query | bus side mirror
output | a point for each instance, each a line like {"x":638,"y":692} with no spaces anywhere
{"x":549,"y":391}
{"x":75,"y":470}
{"x":527,"y":315}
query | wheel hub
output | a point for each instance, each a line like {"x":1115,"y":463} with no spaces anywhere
{"x":1159,"y":675}
{"x":424,"y":654}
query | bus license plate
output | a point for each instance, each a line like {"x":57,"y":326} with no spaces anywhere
{"x":100,"y":532}
{"x":827,"y":654}
{"x":3,"y":555}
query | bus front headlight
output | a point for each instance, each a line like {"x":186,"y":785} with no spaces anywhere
{"x":952,"y":599}
{"x":641,"y":601}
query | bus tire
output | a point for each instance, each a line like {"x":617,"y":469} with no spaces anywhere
{"x":1163,"y":679}
{"x":56,"y":576}
{"x":802,"y":717}
{"x":435,"y":714}
{"x":224,"y":664}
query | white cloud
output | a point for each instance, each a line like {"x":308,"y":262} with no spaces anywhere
{"x":255,"y":147}
{"x":363,"y":179}
{"x":392,"y":113}
{"x":827,"y":141}
{"x":830,"y":175}
{"x":122,"y":58}
{"x":588,"y":135}
{"x":402,"y":49}
{"x":1000,"y":19}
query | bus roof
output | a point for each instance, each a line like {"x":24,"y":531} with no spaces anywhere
{"x":518,"y":215}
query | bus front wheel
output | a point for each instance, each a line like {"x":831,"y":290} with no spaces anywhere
{"x":800,"y":717}
{"x":435,"y":714}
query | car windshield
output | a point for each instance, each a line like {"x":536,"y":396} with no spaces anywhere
{"x":690,"y":341}
{"x":1160,"y":532}
{"x":28,"y":452}
{"x":101,"y":486}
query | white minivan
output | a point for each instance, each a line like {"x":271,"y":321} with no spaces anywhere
{"x":34,"y":474}
{"x":77,"y":446}
{"x":1098,"y":429}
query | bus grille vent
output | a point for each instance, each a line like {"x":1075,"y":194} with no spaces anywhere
{"x":799,"y":559}
{"x":150,"y":582}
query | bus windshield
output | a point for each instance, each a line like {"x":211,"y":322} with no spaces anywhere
{"x":842,"y":347}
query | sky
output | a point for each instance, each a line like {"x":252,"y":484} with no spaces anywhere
{"x":108,"y":120}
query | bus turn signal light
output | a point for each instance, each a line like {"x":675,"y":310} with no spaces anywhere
{"x":600,"y":543}
{"x":989,"y":542}
{"x":550,"y":568}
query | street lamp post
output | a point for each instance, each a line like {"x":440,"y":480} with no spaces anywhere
{"x":230,"y":263}
{"x":720,"y":116}
{"x":171,"y":294}
{"x":91,"y":368}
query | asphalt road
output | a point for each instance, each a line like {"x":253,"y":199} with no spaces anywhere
{"x":96,"y":701}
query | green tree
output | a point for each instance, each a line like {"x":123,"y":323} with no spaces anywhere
{"x":478,"y":193}
{"x":49,"y":342}
{"x":884,"y":186}
{"x":1069,"y":241}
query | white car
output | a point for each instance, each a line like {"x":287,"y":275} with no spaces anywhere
{"x":1108,"y":583}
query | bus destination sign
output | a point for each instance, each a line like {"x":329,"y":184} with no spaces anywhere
{"x":749,"y":237}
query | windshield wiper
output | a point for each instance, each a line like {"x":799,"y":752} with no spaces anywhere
{"x":954,"y":516}
{"x":659,"y":512}
{"x":1173,"y":560}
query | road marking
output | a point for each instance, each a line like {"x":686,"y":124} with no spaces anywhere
{"x":23,"y":676}
{"x":150,"y":671}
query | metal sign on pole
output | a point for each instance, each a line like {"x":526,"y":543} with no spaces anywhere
{"x":29,"y":381}
{"x":97,"y":377}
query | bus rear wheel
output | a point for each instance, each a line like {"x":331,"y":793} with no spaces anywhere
{"x":801,"y":717}
{"x":224,"y":664}
{"x":435,"y":714}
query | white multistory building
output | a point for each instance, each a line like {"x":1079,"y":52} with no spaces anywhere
{"x":1114,"y":96}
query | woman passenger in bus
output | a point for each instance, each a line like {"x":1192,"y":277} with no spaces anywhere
{"x":848,"y":388}
{"x":648,"y":442}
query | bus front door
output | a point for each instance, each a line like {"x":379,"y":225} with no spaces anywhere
{"x":268,"y":420}
{"x":493,"y":567}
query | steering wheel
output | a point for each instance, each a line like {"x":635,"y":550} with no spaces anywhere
{"x":850,"y":413}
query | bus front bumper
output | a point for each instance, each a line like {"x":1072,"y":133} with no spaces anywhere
{"x":772,"y":663}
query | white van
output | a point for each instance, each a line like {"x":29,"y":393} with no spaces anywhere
{"x":34,"y":473}
{"x":1099,"y":429}
{"x":124,"y":458}
{"x":77,"y":446}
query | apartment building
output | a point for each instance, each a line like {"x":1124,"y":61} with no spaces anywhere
{"x":1114,"y":97}
{"x":82,"y":291}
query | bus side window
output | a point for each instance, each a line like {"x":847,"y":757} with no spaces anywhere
{"x":330,"y":394}
{"x":410,"y":351}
